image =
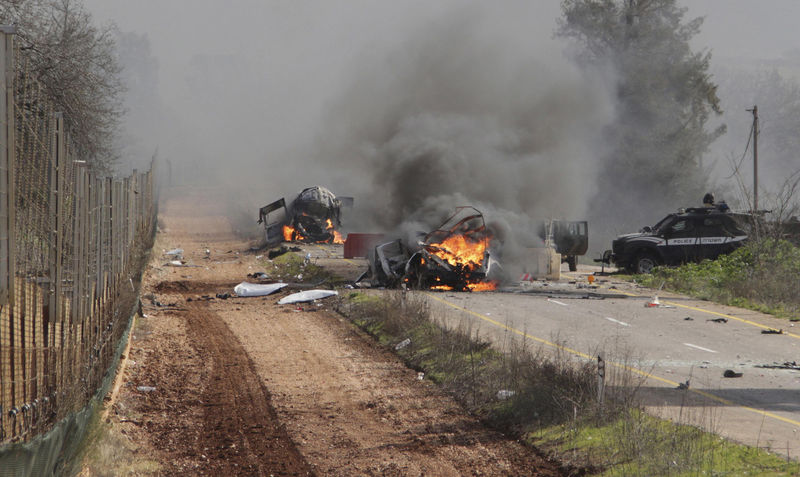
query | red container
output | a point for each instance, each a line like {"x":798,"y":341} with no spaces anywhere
{"x":359,"y":245}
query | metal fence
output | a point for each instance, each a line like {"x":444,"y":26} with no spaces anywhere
{"x":71,"y":249}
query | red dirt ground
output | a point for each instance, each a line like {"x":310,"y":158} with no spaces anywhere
{"x":244,"y":386}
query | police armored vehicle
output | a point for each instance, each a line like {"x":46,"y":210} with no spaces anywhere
{"x":689,"y":235}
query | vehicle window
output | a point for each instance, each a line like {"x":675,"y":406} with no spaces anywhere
{"x":713,"y":227}
{"x":663,"y":224}
{"x":732,"y":228}
{"x":681,"y":227}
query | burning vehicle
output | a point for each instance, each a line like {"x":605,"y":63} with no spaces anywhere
{"x":455,"y":256}
{"x":314,"y":216}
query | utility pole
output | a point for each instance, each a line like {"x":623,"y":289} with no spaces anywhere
{"x":755,"y":157}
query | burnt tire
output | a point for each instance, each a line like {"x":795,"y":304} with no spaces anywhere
{"x":572,"y":261}
{"x":644,"y":263}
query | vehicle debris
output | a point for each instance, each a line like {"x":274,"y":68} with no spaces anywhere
{"x":772,"y":331}
{"x":654,"y":303}
{"x":718,"y":320}
{"x":729,"y":373}
{"x":314,"y":216}
{"x":455,"y":256}
{"x":402,"y":344}
{"x":306,"y":296}
{"x":570,"y":238}
{"x":505,"y":394}
{"x":246,"y":289}
{"x":786,"y":365}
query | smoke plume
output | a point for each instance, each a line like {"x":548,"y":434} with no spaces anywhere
{"x":466,"y":113}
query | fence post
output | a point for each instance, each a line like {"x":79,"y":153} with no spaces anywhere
{"x":7,"y":256}
{"x":7,"y":153}
{"x":601,"y":381}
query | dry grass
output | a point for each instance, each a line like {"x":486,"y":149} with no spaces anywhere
{"x":551,"y":399}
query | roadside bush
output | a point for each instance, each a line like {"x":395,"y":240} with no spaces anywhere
{"x":761,"y":275}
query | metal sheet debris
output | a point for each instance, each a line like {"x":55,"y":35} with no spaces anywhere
{"x":306,"y":296}
{"x":246,"y":289}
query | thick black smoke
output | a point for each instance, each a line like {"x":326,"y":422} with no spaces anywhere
{"x":467,"y":113}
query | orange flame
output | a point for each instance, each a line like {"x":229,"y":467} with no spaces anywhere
{"x":460,"y":250}
{"x":465,"y":252}
{"x":337,"y":237}
{"x":482,"y":286}
{"x":288,"y":233}
{"x":475,"y":287}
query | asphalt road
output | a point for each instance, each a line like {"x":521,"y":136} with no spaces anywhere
{"x":663,"y":348}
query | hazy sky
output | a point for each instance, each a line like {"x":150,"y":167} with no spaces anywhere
{"x":294,"y":56}
{"x":254,"y":85}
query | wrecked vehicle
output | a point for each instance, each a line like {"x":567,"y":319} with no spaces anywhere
{"x":689,"y":235}
{"x":455,"y":256}
{"x":570,"y":239}
{"x":314,"y":216}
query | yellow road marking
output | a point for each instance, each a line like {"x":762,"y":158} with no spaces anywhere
{"x":645,"y":374}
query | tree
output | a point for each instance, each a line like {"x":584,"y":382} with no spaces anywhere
{"x":664,"y":92}
{"x":76,"y":64}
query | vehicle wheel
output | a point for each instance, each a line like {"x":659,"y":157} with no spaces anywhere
{"x":645,"y":263}
{"x":572,"y":261}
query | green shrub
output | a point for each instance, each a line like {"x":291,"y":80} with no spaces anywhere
{"x":761,"y":275}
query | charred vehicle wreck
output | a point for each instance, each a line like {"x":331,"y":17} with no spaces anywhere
{"x":455,"y":256}
{"x":570,"y":238}
{"x":314,"y":216}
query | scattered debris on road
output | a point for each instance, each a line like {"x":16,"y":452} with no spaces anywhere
{"x":654,"y":303}
{"x":176,"y":252}
{"x":272,"y":254}
{"x":729,"y":373}
{"x":306,"y":296}
{"x":787,"y":365}
{"x":718,"y":320}
{"x":772,"y":331}
{"x":246,"y":289}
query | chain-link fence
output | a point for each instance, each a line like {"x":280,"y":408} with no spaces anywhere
{"x":71,"y":249}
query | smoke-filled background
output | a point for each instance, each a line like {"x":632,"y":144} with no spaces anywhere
{"x":416,"y":107}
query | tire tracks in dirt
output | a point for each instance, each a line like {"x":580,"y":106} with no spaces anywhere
{"x":240,"y":428}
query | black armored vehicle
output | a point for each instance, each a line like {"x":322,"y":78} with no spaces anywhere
{"x":689,"y":235}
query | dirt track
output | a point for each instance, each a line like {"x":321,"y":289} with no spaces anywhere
{"x":244,"y":386}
